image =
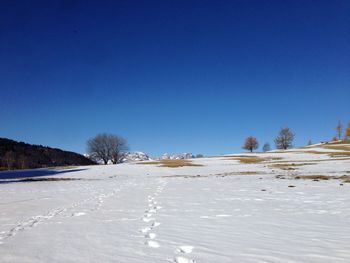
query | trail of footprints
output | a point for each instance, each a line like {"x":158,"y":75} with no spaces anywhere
{"x":149,"y":230}
{"x":149,"y":218}
{"x":96,"y":199}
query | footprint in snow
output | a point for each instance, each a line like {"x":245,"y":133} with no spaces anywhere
{"x":150,"y":235}
{"x":185,"y":249}
{"x":78,"y":214}
{"x":155,"y":224}
{"x":183,"y":260}
{"x":145,"y":230}
{"x":153,"y":244}
{"x":147,"y":219}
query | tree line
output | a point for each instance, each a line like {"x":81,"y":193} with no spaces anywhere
{"x":20,"y":155}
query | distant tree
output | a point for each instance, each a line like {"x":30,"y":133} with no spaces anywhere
{"x":199,"y":155}
{"x":9,"y":160}
{"x":347,"y":131}
{"x":334,"y":138}
{"x":285,"y":138}
{"x":107,"y":147}
{"x":250,"y":144}
{"x":266,"y":147}
{"x":309,"y":142}
{"x":339,"y":129}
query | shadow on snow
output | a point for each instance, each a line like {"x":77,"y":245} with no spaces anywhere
{"x":20,"y":174}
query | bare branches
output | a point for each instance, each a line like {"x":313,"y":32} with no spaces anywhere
{"x":250,"y":144}
{"x":284,"y":139}
{"x":107,"y":147}
{"x":339,"y":129}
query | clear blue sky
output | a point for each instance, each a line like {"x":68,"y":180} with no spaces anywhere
{"x":173,"y":76}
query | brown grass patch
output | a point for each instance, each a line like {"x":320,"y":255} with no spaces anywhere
{"x":331,"y":154}
{"x":245,"y":158}
{"x":240,"y":173}
{"x":251,"y":159}
{"x":344,"y":178}
{"x":184,"y":176}
{"x":338,"y":147}
{"x":288,"y":166}
{"x":314,"y":177}
{"x":172,"y":163}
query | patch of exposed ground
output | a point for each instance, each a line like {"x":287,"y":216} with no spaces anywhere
{"x":240,"y":173}
{"x":172,"y":163}
{"x":319,"y":177}
{"x":288,"y":166}
{"x":218,"y":175}
{"x":250,"y":159}
{"x":184,"y":176}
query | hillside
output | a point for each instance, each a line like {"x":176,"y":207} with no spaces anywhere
{"x":20,"y":155}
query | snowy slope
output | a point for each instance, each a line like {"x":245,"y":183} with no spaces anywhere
{"x":223,"y":211}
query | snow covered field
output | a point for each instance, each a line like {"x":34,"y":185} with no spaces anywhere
{"x":227,"y":210}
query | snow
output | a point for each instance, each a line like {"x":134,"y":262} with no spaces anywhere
{"x":135,"y":156}
{"x":180,"y":156}
{"x":144,"y":213}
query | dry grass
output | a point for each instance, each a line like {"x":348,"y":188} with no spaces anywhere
{"x":171,"y":163}
{"x":344,"y":178}
{"x":288,"y":166}
{"x":314,"y":177}
{"x":338,"y":147}
{"x":239,"y":173}
{"x":331,"y":154}
{"x":217,"y":175}
{"x":184,"y":176}
{"x":251,"y":159}
{"x":340,"y":142}
{"x":245,"y":158}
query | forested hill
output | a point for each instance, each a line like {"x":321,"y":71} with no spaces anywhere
{"x":20,"y":155}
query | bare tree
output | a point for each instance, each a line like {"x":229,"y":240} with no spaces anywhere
{"x":9,"y":159}
{"x":284,"y":139}
{"x":119,"y":148}
{"x":250,"y":143}
{"x":339,"y":129}
{"x":347,"y":131}
{"x":107,"y":147}
{"x":266,"y":147}
{"x":309,"y":142}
